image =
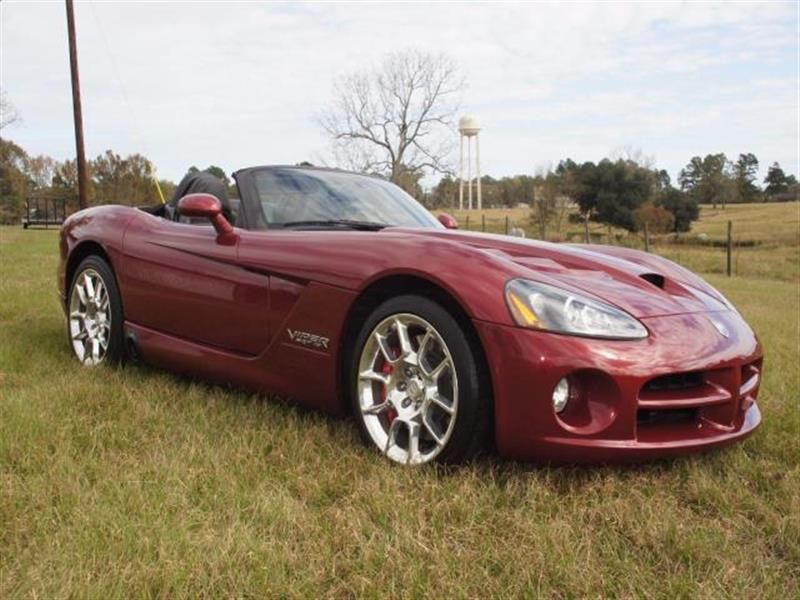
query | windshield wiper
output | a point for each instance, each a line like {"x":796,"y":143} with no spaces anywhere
{"x":349,"y":223}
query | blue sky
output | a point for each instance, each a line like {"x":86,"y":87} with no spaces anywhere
{"x":239,"y":83}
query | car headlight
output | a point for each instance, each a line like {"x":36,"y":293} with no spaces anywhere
{"x":541,"y":306}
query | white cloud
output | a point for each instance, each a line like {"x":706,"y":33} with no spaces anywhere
{"x":238,"y":83}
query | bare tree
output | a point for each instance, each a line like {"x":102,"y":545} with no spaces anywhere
{"x":40,"y":170}
{"x":633,"y":154}
{"x":394,"y":120}
{"x":8,"y":114}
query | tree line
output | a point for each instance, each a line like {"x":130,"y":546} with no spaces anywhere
{"x":627,"y":194}
{"x":113,"y":179}
{"x":621,"y":192}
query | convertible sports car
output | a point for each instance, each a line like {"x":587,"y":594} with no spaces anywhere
{"x":343,"y":292}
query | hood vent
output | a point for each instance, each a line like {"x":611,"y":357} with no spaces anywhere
{"x":654,"y":278}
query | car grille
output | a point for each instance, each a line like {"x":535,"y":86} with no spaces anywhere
{"x":674,"y":381}
{"x":666,"y":416}
{"x":716,"y":397}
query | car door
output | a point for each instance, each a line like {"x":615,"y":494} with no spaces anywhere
{"x":181,"y":279}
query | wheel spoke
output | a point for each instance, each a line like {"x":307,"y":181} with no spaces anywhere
{"x":438,"y":401}
{"x":391,"y":435}
{"x":423,"y":349}
{"x":383,"y":345}
{"x":81,"y":293}
{"x":95,"y":349}
{"x":76,"y":314}
{"x":99,"y":292}
{"x":402,"y":336}
{"x":371,"y":375}
{"x":89,"y":285}
{"x":376,"y":409}
{"x":81,"y":335}
{"x":413,"y":441}
{"x":437,"y":372}
{"x":431,"y":430}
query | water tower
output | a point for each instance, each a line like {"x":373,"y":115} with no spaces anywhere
{"x":468,"y":128}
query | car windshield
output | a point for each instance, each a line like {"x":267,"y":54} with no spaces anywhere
{"x":291,"y":196}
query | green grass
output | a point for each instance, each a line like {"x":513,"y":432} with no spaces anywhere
{"x":135,"y":482}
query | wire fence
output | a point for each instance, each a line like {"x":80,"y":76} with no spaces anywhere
{"x":748,"y":248}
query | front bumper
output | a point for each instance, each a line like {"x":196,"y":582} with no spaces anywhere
{"x":685,"y":388}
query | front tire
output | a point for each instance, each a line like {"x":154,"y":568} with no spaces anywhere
{"x":415,"y":385}
{"x":94,"y":317}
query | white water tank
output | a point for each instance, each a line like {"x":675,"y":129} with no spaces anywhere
{"x":468,"y":126}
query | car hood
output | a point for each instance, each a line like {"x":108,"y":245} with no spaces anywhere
{"x":642,"y":284}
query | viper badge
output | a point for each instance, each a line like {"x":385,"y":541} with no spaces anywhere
{"x":311,"y":340}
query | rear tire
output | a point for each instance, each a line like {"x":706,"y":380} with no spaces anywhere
{"x":94,"y":314}
{"x":415,"y":385}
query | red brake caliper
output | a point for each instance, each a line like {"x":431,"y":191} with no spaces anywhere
{"x":387,"y":369}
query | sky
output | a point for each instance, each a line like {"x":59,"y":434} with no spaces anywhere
{"x":238,"y":84}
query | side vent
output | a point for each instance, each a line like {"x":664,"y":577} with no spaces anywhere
{"x":654,"y":278}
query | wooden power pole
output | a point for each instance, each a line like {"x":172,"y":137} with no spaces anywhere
{"x":76,"y":106}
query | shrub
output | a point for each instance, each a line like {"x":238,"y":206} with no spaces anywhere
{"x":657,"y":218}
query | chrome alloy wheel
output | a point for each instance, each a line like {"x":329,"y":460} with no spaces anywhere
{"x":407,"y":389}
{"x":89,"y":317}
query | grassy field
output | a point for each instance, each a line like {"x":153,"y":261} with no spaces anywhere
{"x":135,"y":482}
{"x":766,"y":237}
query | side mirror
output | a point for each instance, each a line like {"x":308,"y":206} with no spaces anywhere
{"x":205,"y":206}
{"x":448,"y":221}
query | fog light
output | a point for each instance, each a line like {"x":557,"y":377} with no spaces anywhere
{"x":561,"y":395}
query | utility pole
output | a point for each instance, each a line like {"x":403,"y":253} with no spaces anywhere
{"x":76,"y":106}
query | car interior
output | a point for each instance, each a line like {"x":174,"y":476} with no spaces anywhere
{"x":193,"y":183}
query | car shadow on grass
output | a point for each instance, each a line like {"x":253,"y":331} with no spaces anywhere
{"x":488,"y":467}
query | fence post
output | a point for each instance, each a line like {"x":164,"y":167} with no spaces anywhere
{"x":483,"y":222}
{"x":508,"y":225}
{"x":646,"y":238}
{"x":730,"y":245}
{"x":466,"y":225}
{"x":609,"y":235}
{"x":586,"y":231}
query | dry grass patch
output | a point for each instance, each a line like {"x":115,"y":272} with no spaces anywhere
{"x":134,"y":482}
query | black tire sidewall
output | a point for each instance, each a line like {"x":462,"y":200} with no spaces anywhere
{"x":115,"y":353}
{"x":466,"y":438}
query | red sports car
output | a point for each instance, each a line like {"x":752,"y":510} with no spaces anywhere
{"x":343,"y":292}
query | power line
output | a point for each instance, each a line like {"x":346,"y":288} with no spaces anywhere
{"x":129,"y":106}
